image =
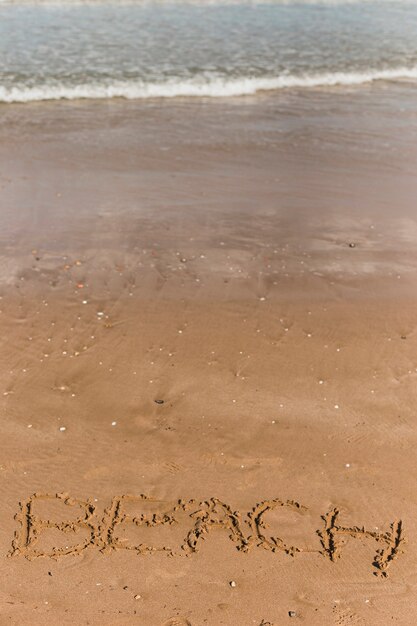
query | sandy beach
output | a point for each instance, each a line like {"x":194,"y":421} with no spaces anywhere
{"x":208,"y":360}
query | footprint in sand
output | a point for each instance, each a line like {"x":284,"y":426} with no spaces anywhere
{"x":177,"y":621}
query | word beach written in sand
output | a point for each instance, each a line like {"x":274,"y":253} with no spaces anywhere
{"x":135,"y":523}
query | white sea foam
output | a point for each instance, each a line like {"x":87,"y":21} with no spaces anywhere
{"x":198,"y":87}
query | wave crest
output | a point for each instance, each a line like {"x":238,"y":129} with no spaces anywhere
{"x":207,"y":88}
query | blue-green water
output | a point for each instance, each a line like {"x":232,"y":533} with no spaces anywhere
{"x":185,"y":49}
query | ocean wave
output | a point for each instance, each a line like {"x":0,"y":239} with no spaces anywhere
{"x":202,"y":88}
{"x":66,"y":3}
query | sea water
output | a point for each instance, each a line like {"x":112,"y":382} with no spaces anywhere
{"x":212,"y":49}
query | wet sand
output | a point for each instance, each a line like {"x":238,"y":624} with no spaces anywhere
{"x":208,"y":361}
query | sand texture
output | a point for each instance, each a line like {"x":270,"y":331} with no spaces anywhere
{"x":209,"y":362}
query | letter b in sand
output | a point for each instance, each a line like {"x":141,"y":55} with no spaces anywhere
{"x":42,"y":536}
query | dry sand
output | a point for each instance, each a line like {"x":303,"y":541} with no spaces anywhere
{"x":209,"y":361}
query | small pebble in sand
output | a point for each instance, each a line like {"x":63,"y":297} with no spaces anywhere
{"x":321,"y":382}
{"x":137,"y":597}
{"x":232,"y":583}
{"x":85,"y":301}
{"x":113,"y":423}
{"x":336,"y":406}
{"x":292,"y":614}
{"x":29,"y":425}
{"x":62,"y":428}
{"x":262,"y":299}
{"x":347,"y":465}
{"x":352,"y":245}
{"x":159,"y":401}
